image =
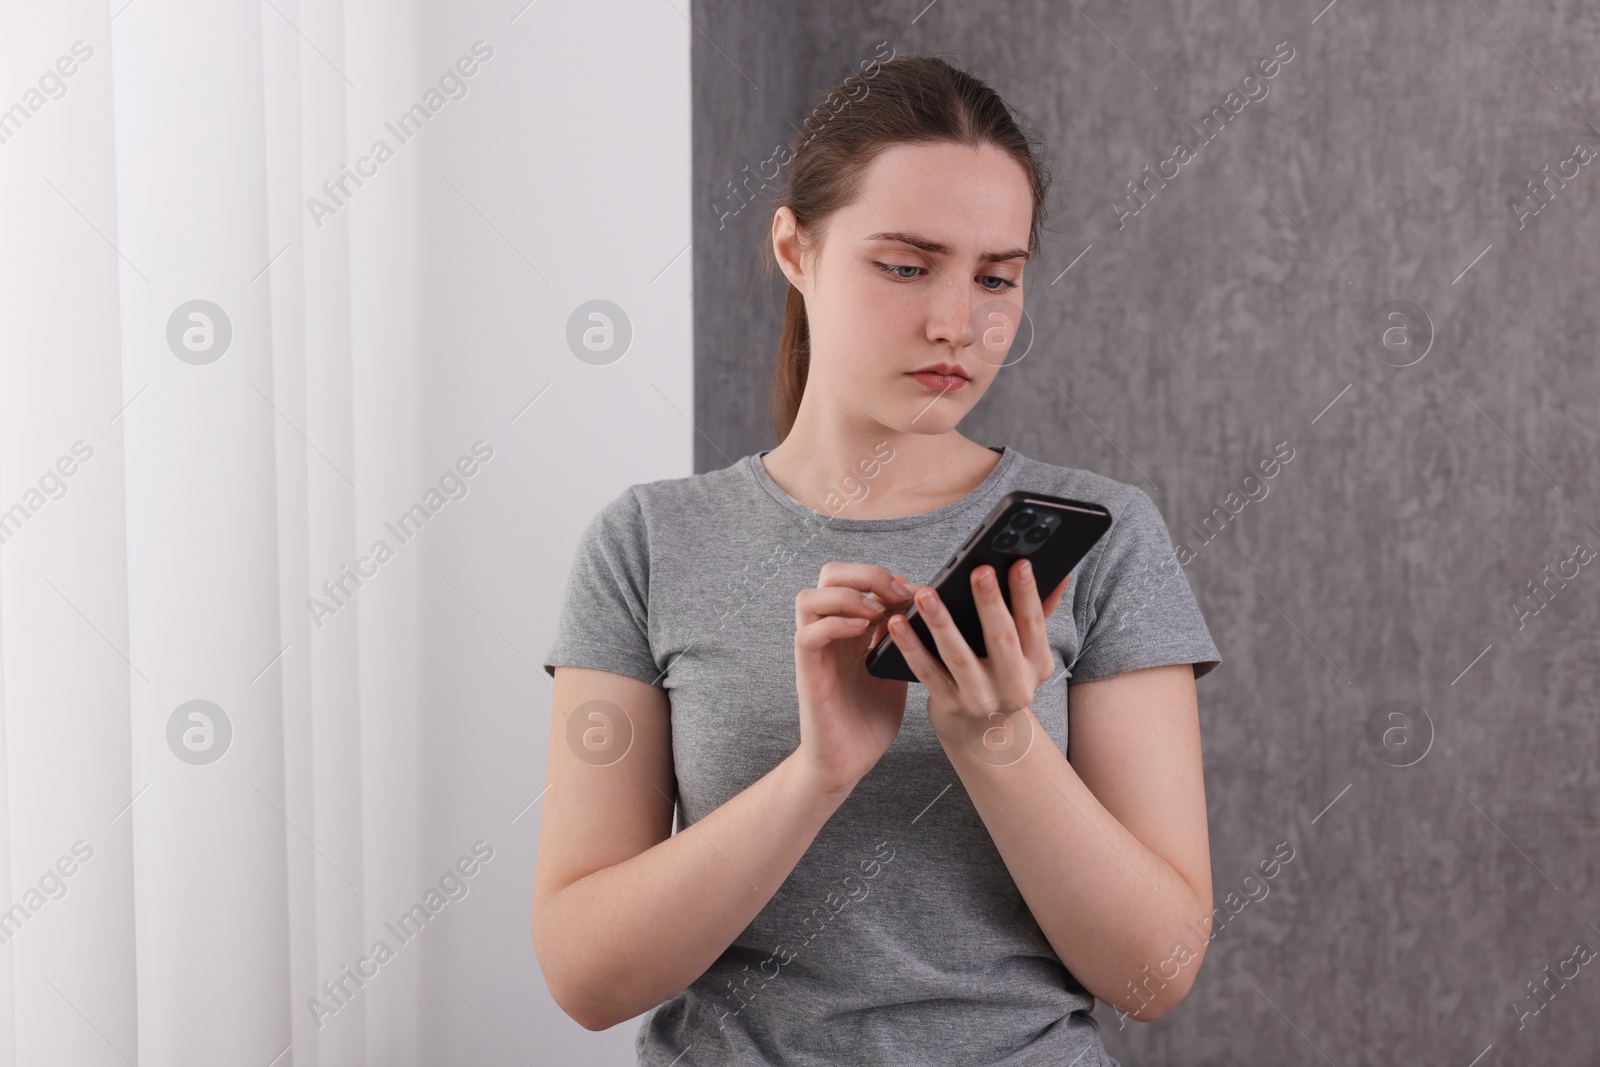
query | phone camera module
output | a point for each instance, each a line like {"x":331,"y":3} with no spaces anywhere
{"x":1028,"y":528}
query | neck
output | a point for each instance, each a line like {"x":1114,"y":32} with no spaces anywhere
{"x":868,"y":471}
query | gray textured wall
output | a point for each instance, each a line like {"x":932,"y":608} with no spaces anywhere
{"x":1388,"y":558}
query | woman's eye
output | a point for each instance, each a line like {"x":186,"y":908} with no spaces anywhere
{"x":893,"y":269}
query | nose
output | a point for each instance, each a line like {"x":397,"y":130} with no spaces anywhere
{"x":950,"y":315}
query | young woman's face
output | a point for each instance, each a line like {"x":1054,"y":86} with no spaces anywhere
{"x":925,"y":267}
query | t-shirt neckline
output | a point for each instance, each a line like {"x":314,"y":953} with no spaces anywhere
{"x":757,"y":471}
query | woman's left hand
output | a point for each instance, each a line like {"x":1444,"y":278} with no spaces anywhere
{"x":970,"y":687}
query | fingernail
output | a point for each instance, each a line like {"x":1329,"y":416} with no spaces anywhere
{"x":986,"y":579}
{"x":1027,"y":569}
{"x":900,"y":588}
{"x":930,"y":603}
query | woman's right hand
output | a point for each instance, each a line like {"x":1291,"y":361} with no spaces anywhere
{"x":848,"y":718}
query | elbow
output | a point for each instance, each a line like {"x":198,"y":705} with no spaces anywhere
{"x":564,"y":987}
{"x":591,"y":1013}
{"x":578,"y":1007}
{"x":1158,"y":989}
{"x":571,"y":1001}
{"x":1178,"y":986}
{"x":1148,"y":1011}
{"x":588,"y":1020}
{"x":1164,"y":1004}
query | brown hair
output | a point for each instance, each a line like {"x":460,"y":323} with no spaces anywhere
{"x":919,"y":99}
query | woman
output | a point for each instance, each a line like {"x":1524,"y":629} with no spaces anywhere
{"x":862,"y":873}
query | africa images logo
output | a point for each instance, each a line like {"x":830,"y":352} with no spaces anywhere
{"x":339,"y":991}
{"x":454,"y":484}
{"x":453,"y":85}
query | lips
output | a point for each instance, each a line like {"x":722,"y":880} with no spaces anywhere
{"x":942,"y":376}
{"x":942,"y":383}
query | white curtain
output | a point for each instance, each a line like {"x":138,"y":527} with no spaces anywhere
{"x":183,"y":520}
{"x":167,"y":509}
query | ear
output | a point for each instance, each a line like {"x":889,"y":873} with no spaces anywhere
{"x":786,"y":247}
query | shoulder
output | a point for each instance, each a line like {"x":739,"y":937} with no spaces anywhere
{"x":671,"y":503}
{"x":1138,"y":536}
{"x":691,"y":490}
{"x":1128,"y":503}
{"x":692,"y":495}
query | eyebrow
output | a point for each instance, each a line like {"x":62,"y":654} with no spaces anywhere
{"x":939,"y":249}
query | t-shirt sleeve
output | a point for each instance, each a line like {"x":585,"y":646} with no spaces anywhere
{"x":604,"y":621}
{"x":1137,"y":609}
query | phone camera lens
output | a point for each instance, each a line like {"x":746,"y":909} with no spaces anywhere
{"x":1024,"y":519}
{"x":1004,"y":540}
{"x":1036,"y":535}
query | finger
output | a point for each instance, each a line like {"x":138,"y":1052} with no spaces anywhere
{"x":1002,"y":638}
{"x":814,"y":636}
{"x":923,"y":665}
{"x":881,"y":629}
{"x":959,"y":659}
{"x":1030,"y":615}
{"x":915,"y":587}
{"x":1025,"y":606}
{"x":866,"y":578}
{"x":813,"y":604}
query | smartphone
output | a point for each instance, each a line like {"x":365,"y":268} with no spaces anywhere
{"x":1053,"y":532}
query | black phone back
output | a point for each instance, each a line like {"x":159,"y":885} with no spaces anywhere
{"x":1052,"y":532}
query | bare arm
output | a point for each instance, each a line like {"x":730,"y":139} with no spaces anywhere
{"x":625,"y":913}
{"x":1110,"y":850}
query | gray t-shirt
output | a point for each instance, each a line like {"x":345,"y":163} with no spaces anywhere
{"x":900,"y":937}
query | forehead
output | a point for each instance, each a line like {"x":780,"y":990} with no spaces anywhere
{"x":973,"y":199}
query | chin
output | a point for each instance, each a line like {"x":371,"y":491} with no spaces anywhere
{"x":938,"y":419}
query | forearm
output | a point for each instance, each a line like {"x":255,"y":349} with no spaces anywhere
{"x":1112,"y":909}
{"x":627,"y":937}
